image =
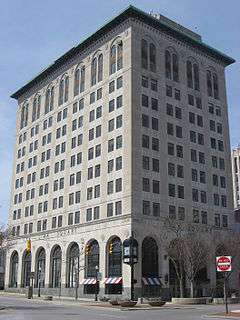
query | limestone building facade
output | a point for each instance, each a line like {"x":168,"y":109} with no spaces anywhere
{"x":126,"y":128}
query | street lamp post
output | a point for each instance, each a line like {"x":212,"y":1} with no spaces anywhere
{"x":39,"y":282}
{"x":96,"y":285}
{"x":76,"y":280}
{"x":130,"y":256}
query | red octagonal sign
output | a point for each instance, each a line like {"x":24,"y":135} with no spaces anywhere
{"x":224,"y":263}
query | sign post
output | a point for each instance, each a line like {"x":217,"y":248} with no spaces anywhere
{"x":224,"y":264}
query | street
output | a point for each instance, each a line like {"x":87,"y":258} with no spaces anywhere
{"x":19,"y":308}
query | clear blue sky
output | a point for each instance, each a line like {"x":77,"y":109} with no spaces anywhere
{"x":34,"y":33}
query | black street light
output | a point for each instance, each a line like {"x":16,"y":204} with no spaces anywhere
{"x":130,"y":256}
{"x":96,"y":285}
{"x":39,"y":281}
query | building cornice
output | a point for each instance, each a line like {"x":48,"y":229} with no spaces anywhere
{"x":129,"y":12}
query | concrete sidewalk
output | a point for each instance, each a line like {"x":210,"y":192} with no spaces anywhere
{"x":86,"y":302}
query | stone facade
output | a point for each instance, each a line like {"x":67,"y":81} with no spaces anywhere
{"x":123,"y":207}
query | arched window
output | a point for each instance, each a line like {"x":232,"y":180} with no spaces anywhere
{"x":100,"y":67}
{"x":114,"y":266}
{"x":189,"y":74}
{"x":76,"y":82}
{"x":192,"y":75}
{"x":209,"y":84}
{"x":116,"y":57}
{"x":26,"y":269}
{"x":144,"y":51}
{"x":82,"y":79}
{"x":49,"y":100}
{"x":212,"y":84}
{"x":119,"y":55}
{"x":196,"y":77}
{"x":63,"y":90}
{"x":175,"y":67}
{"x":94,"y":71}
{"x":149,"y":258}
{"x":24,"y":116}
{"x":73,"y":266}
{"x":171,"y":66}
{"x":113,"y":57}
{"x":152,"y":57}
{"x":215,"y":86}
{"x":56,"y":266}
{"x":148,"y":52}
{"x":40,"y":268}
{"x":150,"y":272}
{"x":66,"y":89}
{"x":92,"y":259}
{"x":79,"y":80}
{"x":36,"y":108}
{"x":14,"y":270}
{"x":91,"y":266}
{"x":168,"y":68}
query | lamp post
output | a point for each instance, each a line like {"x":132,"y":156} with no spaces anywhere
{"x":39,"y":281}
{"x":96,"y":285}
{"x":130,"y":256}
{"x":76,"y":271}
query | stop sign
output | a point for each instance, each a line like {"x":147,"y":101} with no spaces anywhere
{"x":224,"y":263}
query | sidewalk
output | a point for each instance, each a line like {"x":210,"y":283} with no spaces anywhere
{"x":86,"y":302}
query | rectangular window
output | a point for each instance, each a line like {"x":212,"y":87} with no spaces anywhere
{"x":145,"y":141}
{"x":118,"y":163}
{"x":154,"y":85}
{"x":144,"y":100}
{"x":119,"y":102}
{"x":172,"y":212}
{"x":111,"y":105}
{"x":156,"y":209}
{"x":154,"y":103}
{"x":110,"y":209}
{"x":145,"y":82}
{"x":145,"y":185}
{"x":171,"y":190}
{"x":89,"y":214}
{"x":118,"y":208}
{"x":96,"y":213}
{"x":196,"y":216}
{"x":146,"y":207}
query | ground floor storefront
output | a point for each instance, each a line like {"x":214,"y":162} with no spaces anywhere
{"x":83,"y":262}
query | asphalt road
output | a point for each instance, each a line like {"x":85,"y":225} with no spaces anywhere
{"x":19,"y":308}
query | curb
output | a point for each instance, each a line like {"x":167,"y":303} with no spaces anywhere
{"x":219,"y":317}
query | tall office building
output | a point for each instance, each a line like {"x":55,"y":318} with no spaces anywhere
{"x":236,"y":176}
{"x":126,"y":128}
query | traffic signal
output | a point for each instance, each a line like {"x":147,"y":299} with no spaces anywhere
{"x":110,"y":248}
{"x":29,"y":245}
{"x":87,"y":249}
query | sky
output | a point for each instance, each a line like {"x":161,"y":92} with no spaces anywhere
{"x":34,"y":33}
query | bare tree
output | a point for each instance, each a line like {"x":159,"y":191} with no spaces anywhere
{"x":4,"y":236}
{"x":187,"y":246}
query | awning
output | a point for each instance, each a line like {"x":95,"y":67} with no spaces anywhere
{"x":151,"y":281}
{"x":88,"y":281}
{"x":113,"y":280}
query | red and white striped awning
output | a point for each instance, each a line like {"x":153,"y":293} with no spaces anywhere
{"x":113,"y":280}
{"x":88,"y":281}
{"x":151,"y":281}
